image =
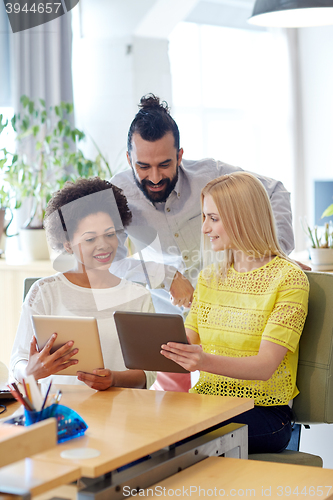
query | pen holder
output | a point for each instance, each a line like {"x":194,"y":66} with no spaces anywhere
{"x":70,"y":424}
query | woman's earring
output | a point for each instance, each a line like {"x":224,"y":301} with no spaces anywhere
{"x":68,"y":248}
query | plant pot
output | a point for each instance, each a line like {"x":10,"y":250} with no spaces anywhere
{"x":4,"y":224}
{"x":321,"y":259}
{"x":34,"y":244}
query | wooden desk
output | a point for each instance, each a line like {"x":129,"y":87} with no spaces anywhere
{"x":228,"y":477}
{"x":17,"y":442}
{"x":127,"y":424}
{"x":36,"y":476}
{"x":20,"y":475}
{"x":124,"y":425}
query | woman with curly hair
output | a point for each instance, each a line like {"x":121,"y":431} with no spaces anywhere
{"x":83,"y":219}
{"x":247,"y":313}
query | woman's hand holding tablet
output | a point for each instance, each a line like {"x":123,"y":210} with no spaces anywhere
{"x":42,"y":363}
{"x":55,"y":352}
{"x":100,"y":379}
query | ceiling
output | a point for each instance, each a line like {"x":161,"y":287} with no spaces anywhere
{"x":229,"y":13}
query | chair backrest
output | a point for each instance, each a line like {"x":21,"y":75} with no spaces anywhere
{"x":314,"y":404}
{"x":28,"y":282}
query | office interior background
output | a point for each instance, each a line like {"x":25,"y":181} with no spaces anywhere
{"x":253,"y":97}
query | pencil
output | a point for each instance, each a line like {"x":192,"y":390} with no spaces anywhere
{"x":28,"y":392}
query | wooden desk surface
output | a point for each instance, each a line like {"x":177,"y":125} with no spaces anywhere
{"x":18,"y":442}
{"x":218,"y":477}
{"x":37,"y":476}
{"x":127,"y":424}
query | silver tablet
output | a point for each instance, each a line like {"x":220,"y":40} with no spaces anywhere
{"x":83,"y":331}
{"x":141,"y":336}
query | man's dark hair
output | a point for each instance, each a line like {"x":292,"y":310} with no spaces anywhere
{"x":115,"y":205}
{"x":153,"y":121}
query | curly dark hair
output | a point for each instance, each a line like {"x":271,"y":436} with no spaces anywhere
{"x":62,"y":216}
{"x":153,"y":121}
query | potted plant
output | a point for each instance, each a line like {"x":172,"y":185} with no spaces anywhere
{"x":321,"y":250}
{"x":47,"y":155}
{"x":7,"y":201}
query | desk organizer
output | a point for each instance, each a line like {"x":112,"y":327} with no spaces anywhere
{"x":70,"y":424}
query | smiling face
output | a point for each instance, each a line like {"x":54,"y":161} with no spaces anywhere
{"x":155,"y":165}
{"x":94,"y":243}
{"x":212,"y":226}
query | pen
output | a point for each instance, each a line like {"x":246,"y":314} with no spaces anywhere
{"x":13,"y":384}
{"x":56,"y":398}
{"x":25,"y":399}
{"x":18,"y":396}
{"x":46,"y":395}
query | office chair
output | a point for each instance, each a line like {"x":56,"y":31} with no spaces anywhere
{"x":28,"y":282}
{"x":314,"y":403}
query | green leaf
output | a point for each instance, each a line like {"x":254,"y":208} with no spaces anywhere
{"x":69,"y":108}
{"x":2,"y":125}
{"x":42,"y":102}
{"x":25,"y":100}
{"x":35,"y":130}
{"x":31,"y":107}
{"x":328,"y":212}
{"x":13,"y":121}
{"x":80,"y":135}
{"x":25,"y":123}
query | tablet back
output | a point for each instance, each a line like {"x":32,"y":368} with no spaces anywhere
{"x":141,"y":336}
{"x":83,"y":331}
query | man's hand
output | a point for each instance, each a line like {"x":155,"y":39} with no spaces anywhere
{"x":181,"y":291}
{"x":100,"y":379}
{"x":303,"y":266}
{"x":42,"y":364}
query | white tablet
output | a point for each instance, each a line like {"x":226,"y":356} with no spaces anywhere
{"x":84,"y":333}
{"x":141,"y":336}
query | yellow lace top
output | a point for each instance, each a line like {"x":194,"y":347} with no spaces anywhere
{"x":234,"y":315}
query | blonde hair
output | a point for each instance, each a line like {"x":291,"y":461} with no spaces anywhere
{"x":246,"y":215}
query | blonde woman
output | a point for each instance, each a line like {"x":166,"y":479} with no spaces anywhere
{"x":247,"y":313}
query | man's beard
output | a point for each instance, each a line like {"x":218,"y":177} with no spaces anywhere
{"x":159,"y":196}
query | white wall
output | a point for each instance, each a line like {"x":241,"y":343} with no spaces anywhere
{"x":316,"y":64}
{"x":120,"y":53}
{"x":316,"y":58}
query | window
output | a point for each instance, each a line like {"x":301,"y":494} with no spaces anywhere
{"x":231,"y":97}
